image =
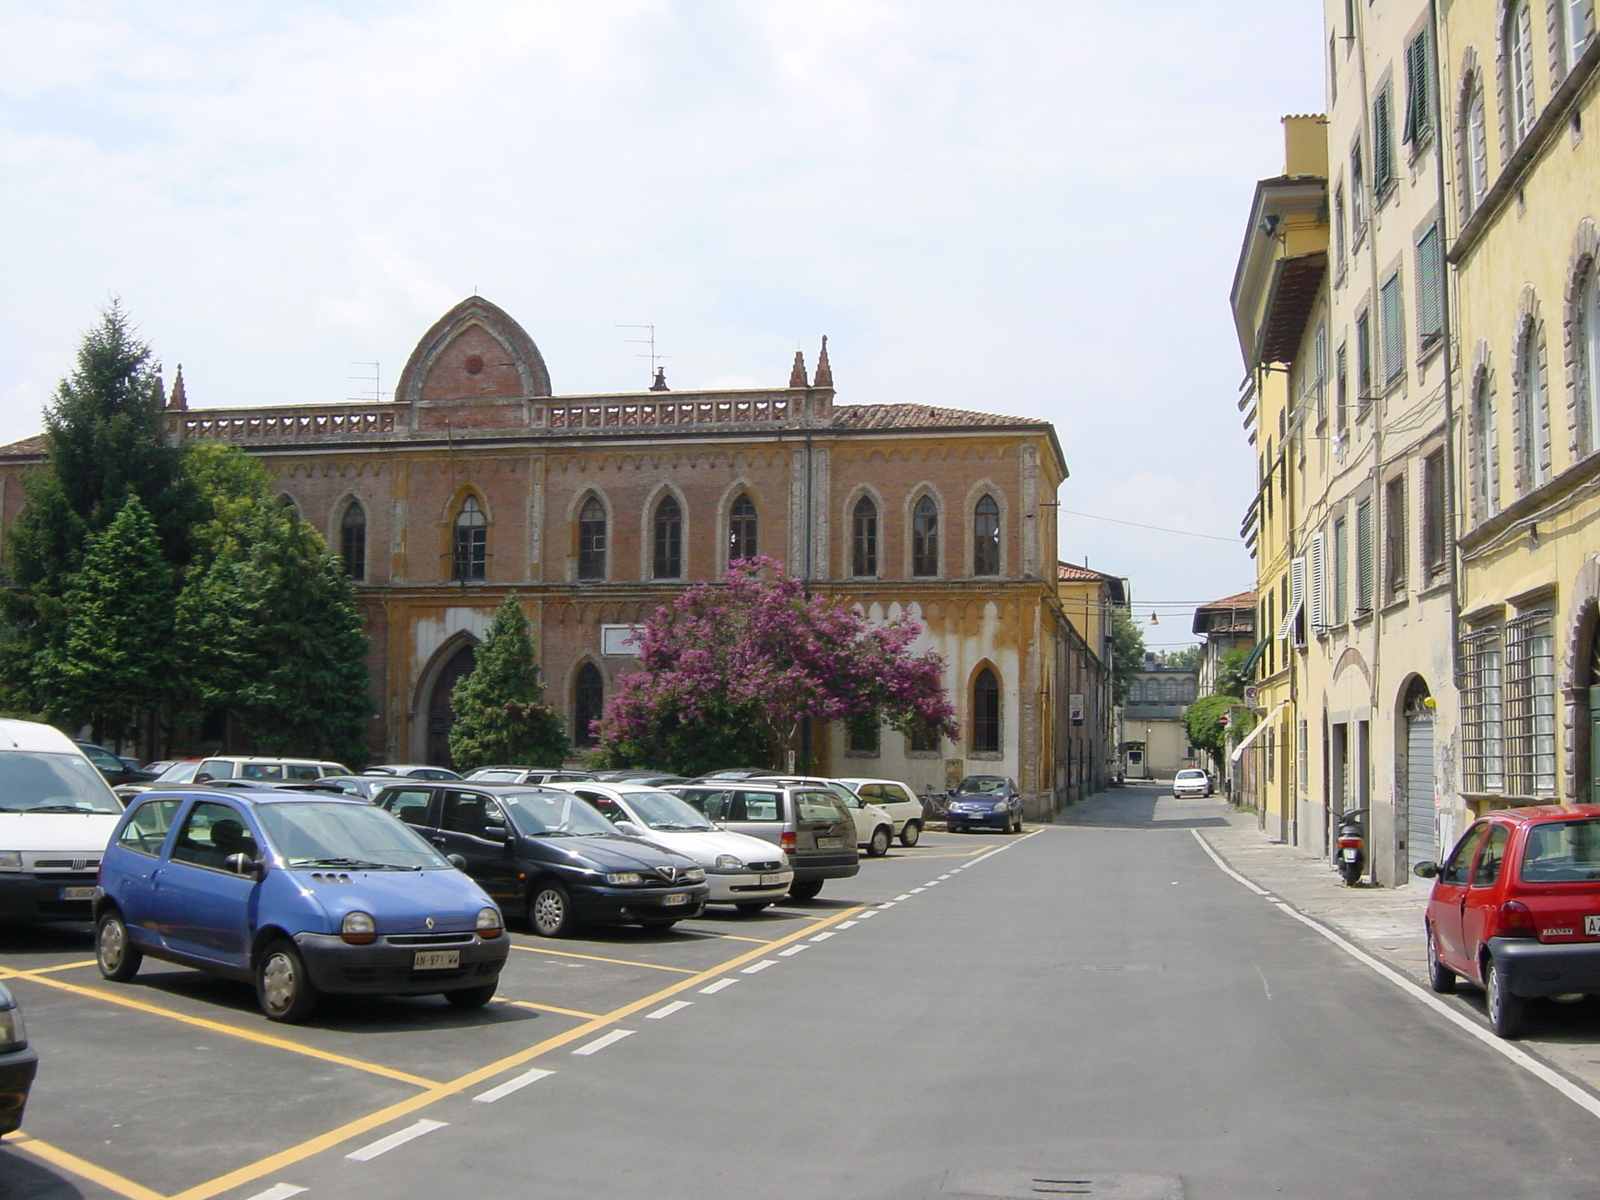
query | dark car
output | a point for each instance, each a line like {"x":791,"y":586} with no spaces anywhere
{"x":983,"y":801}
{"x":362,"y":787}
{"x":116,"y":770}
{"x":18,"y":1063}
{"x":550,"y":855}
{"x":1515,"y":909}
{"x":809,"y":823}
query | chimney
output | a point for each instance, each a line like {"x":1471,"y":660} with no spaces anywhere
{"x":660,"y":385}
{"x":824,"y":377}
{"x":797,"y":373}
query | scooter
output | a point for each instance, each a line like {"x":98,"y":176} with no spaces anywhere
{"x":1350,"y":859}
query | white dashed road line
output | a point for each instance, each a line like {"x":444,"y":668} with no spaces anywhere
{"x":666,"y":1010}
{"x":828,"y":933}
{"x":600,"y":1043}
{"x":716,"y":987}
{"x":840,"y":925}
{"x":512,"y":1085}
{"x":760,"y":966}
{"x":278,"y":1191}
{"x":385,"y":1144}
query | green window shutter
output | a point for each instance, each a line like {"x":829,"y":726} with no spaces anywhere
{"x":1430,"y":288}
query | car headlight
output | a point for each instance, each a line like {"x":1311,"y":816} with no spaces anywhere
{"x":727,"y":862}
{"x":359,"y":929}
{"x":13,"y":1032}
{"x":10,"y":860}
{"x":693,"y":874}
{"x":623,"y":878}
{"x":489,"y":924}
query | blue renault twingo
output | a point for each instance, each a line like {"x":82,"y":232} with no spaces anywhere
{"x":300,"y":894}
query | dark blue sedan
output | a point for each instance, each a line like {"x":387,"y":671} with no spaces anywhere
{"x":988,"y":801}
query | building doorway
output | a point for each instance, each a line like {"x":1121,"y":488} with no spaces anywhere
{"x":1421,"y":837}
{"x":440,"y":718}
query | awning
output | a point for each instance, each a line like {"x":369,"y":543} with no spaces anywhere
{"x":1239,"y":750}
{"x":1248,"y":666}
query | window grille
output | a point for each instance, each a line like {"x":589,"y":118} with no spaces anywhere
{"x":1530,"y":708}
{"x":986,"y":713}
{"x":1482,"y":704}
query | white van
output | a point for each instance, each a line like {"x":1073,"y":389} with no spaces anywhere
{"x":56,"y":815}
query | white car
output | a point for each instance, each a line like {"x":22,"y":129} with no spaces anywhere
{"x":56,"y":815}
{"x":743,"y":871}
{"x":1191,"y":781}
{"x":896,"y":799}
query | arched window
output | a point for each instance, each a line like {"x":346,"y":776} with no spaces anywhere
{"x":864,"y":538}
{"x":469,"y":547}
{"x":592,"y":539}
{"x":1169,"y":691}
{"x":925,"y":538}
{"x":1533,"y":411}
{"x":1516,"y":36}
{"x":742,"y":529}
{"x":1190,"y":688}
{"x":1136,"y":692}
{"x":290,"y":508}
{"x":1576,"y":19}
{"x":588,"y":701}
{"x":353,"y":540}
{"x":986,"y":713}
{"x":986,"y":537}
{"x":1474,"y":142}
{"x":1481,"y":449}
{"x":667,"y":561}
{"x":1586,"y":356}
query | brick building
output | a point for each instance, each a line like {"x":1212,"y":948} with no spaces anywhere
{"x":477,"y":480}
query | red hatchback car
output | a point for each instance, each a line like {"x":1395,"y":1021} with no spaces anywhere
{"x":1516,"y":909}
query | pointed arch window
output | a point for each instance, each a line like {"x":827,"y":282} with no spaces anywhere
{"x":469,"y":556}
{"x":667,"y":559}
{"x":1586,"y":355}
{"x":986,"y":713}
{"x":1533,"y":411}
{"x":592,"y":539}
{"x":986,"y":537}
{"x":864,"y":539}
{"x":1480,"y":448}
{"x":925,"y":538}
{"x":353,"y":540}
{"x":1517,"y":38}
{"x":742,"y":542}
{"x":588,"y":702}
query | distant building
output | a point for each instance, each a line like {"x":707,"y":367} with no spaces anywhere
{"x":1088,"y":741}
{"x":1224,"y":626}
{"x":1155,"y":742}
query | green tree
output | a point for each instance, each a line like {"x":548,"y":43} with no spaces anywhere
{"x":499,"y":708}
{"x":1127,"y":652}
{"x":1231,"y":675}
{"x":1188,"y":657}
{"x":112,"y":670}
{"x":1203,"y":721}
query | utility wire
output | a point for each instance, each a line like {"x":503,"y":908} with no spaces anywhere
{"x":1158,"y":528}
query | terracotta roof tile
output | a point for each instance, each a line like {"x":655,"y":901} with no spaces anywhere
{"x":1072,"y":572}
{"x":1239,"y":600}
{"x":919,"y":416}
{"x":32,"y":445}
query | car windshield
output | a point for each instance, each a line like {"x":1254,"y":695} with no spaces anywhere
{"x":496,"y":776}
{"x":547,"y":814}
{"x":341,"y":834}
{"x":1191,"y":774}
{"x":60,"y":783}
{"x":179,"y":772}
{"x":661,"y":811}
{"x":977,"y":785}
{"x":1562,"y":852}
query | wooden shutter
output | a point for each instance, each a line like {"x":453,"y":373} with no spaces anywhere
{"x":1317,"y":597}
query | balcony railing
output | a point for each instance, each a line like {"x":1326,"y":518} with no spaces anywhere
{"x":613,"y":415}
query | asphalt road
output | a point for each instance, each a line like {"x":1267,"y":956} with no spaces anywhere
{"x":1095,"y":1002}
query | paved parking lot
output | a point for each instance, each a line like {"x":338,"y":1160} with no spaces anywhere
{"x":174,"y":1086}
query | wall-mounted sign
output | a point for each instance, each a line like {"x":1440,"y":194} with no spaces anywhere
{"x":616,"y":641}
{"x":1075,"y":707}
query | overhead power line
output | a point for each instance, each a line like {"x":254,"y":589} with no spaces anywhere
{"x":1158,"y":528}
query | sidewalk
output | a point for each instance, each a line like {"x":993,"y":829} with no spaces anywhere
{"x":1387,"y":924}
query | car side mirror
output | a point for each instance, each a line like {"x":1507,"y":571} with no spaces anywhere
{"x":456,"y":861}
{"x":1426,"y":870}
{"x":629,"y":828}
{"x":244,"y":864}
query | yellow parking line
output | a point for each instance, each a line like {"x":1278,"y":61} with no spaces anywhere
{"x":551,"y":1008}
{"x":248,"y":1035}
{"x":596,"y":958}
{"x":732,"y":937}
{"x":286,"y":1158}
{"x":83,"y":1169}
{"x":19,"y":973}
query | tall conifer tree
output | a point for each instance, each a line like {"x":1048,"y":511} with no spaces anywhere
{"x":500,"y":714}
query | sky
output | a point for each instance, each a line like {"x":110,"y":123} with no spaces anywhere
{"x":1027,"y":207}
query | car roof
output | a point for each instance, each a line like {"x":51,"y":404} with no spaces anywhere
{"x":31,"y":735}
{"x":270,"y":758}
{"x":248,"y":795}
{"x":1546,"y":812}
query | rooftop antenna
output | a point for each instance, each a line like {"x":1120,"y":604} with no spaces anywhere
{"x":655,"y":359}
{"x":375,"y":379}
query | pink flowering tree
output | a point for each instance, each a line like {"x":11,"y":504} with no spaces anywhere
{"x":729,"y":673}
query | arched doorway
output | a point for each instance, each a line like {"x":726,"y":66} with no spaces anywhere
{"x":440,"y":718}
{"x":1421,"y":836}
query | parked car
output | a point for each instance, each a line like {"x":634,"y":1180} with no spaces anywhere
{"x":300,"y":894}
{"x":259,"y":769}
{"x":1515,"y":909}
{"x":181,"y":771}
{"x":810,"y":825}
{"x":412,"y":771}
{"x":18,"y":1063}
{"x":116,"y":770}
{"x":530,"y":776}
{"x":1191,"y":782}
{"x":56,"y":816}
{"x":981,"y":800}
{"x":874,"y":826}
{"x":550,"y":856}
{"x":362,"y":787}
{"x":648,"y":778}
{"x":747,"y":872}
{"x":896,"y":799}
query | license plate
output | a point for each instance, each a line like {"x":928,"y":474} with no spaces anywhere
{"x":771,"y":880}
{"x":1348,"y":854}
{"x":829,"y":843}
{"x":676,"y":898}
{"x":436,"y":960}
{"x":1591,"y":926}
{"x":77,"y":893}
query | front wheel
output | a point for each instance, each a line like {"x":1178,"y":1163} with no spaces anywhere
{"x":1440,"y":977}
{"x":283,"y":985}
{"x":878,"y":846}
{"x":809,"y":890}
{"x":114,"y":950}
{"x":550,"y":910}
{"x":473,"y":997}
{"x":910,"y":833}
{"x":1506,"y":1012}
